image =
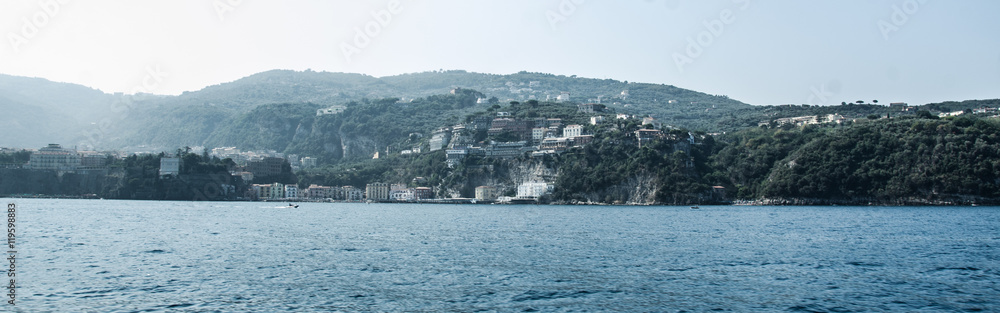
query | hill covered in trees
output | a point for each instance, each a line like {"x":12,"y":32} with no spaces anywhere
{"x":56,"y":112}
{"x":41,"y":112}
{"x":898,"y":161}
{"x":904,"y":159}
{"x":857,"y":152}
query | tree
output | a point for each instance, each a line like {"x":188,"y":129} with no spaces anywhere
{"x":926,"y":115}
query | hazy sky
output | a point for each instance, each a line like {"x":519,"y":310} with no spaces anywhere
{"x":759,"y":52}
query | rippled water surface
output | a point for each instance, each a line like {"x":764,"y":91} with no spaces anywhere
{"x":133,"y":256}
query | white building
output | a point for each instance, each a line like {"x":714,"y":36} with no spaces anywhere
{"x":291,"y":191}
{"x":573,"y":131}
{"x":486,"y":193}
{"x":331,"y":110}
{"x":170,"y":166}
{"x":308,"y":162}
{"x":352,"y":193}
{"x":533,"y":190}
{"x":563,"y":97}
{"x":54,"y":157}
{"x":277,"y":191}
{"x":594,"y":120}
{"x":402,"y":194}
{"x":440,"y":138}
{"x":538,"y":133}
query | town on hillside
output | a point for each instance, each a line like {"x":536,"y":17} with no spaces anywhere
{"x":229,"y":173}
{"x":248,"y":172}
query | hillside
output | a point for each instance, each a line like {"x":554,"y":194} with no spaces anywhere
{"x":237,"y":113}
{"x":906,"y":160}
{"x":848,"y":154}
{"x":37,"y":111}
{"x":901,"y":160}
{"x":202,"y":118}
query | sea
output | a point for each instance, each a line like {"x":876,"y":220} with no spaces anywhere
{"x":164,"y":256}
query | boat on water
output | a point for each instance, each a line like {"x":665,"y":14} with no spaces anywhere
{"x":695,"y":207}
{"x":293,"y":206}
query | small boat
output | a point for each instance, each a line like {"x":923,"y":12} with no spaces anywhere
{"x":695,"y":207}
{"x":293,"y":206}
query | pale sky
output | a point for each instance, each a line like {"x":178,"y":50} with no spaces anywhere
{"x":759,"y":52}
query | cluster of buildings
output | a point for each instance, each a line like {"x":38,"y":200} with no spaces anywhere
{"x":538,"y":135}
{"x":372,"y":192}
{"x":526,"y":192}
{"x":65,"y":160}
{"x":994,"y":112}
{"x":263,"y":163}
{"x":840,"y":119}
{"x":279,"y":191}
{"x":807,"y":120}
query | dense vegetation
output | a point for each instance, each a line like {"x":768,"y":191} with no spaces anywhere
{"x":902,"y":160}
{"x":201,"y":178}
{"x":16,"y":157}
{"x":613,"y":169}
{"x":909,"y":159}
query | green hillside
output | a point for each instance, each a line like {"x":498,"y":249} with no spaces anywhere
{"x":204,"y":117}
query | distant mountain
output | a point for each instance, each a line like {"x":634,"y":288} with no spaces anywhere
{"x":201,"y":118}
{"x":37,"y":111}
{"x":280,"y":86}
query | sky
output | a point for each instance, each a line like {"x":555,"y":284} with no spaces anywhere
{"x":819,"y":52}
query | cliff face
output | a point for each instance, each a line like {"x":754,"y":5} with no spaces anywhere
{"x":357,"y":146}
{"x":504,"y":175}
{"x":640,"y":188}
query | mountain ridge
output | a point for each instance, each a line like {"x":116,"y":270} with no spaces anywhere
{"x":36,"y":113}
{"x":224,"y":102}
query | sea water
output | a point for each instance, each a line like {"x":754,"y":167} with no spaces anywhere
{"x":148,"y":256}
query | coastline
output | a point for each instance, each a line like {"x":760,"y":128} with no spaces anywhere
{"x":964,"y":201}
